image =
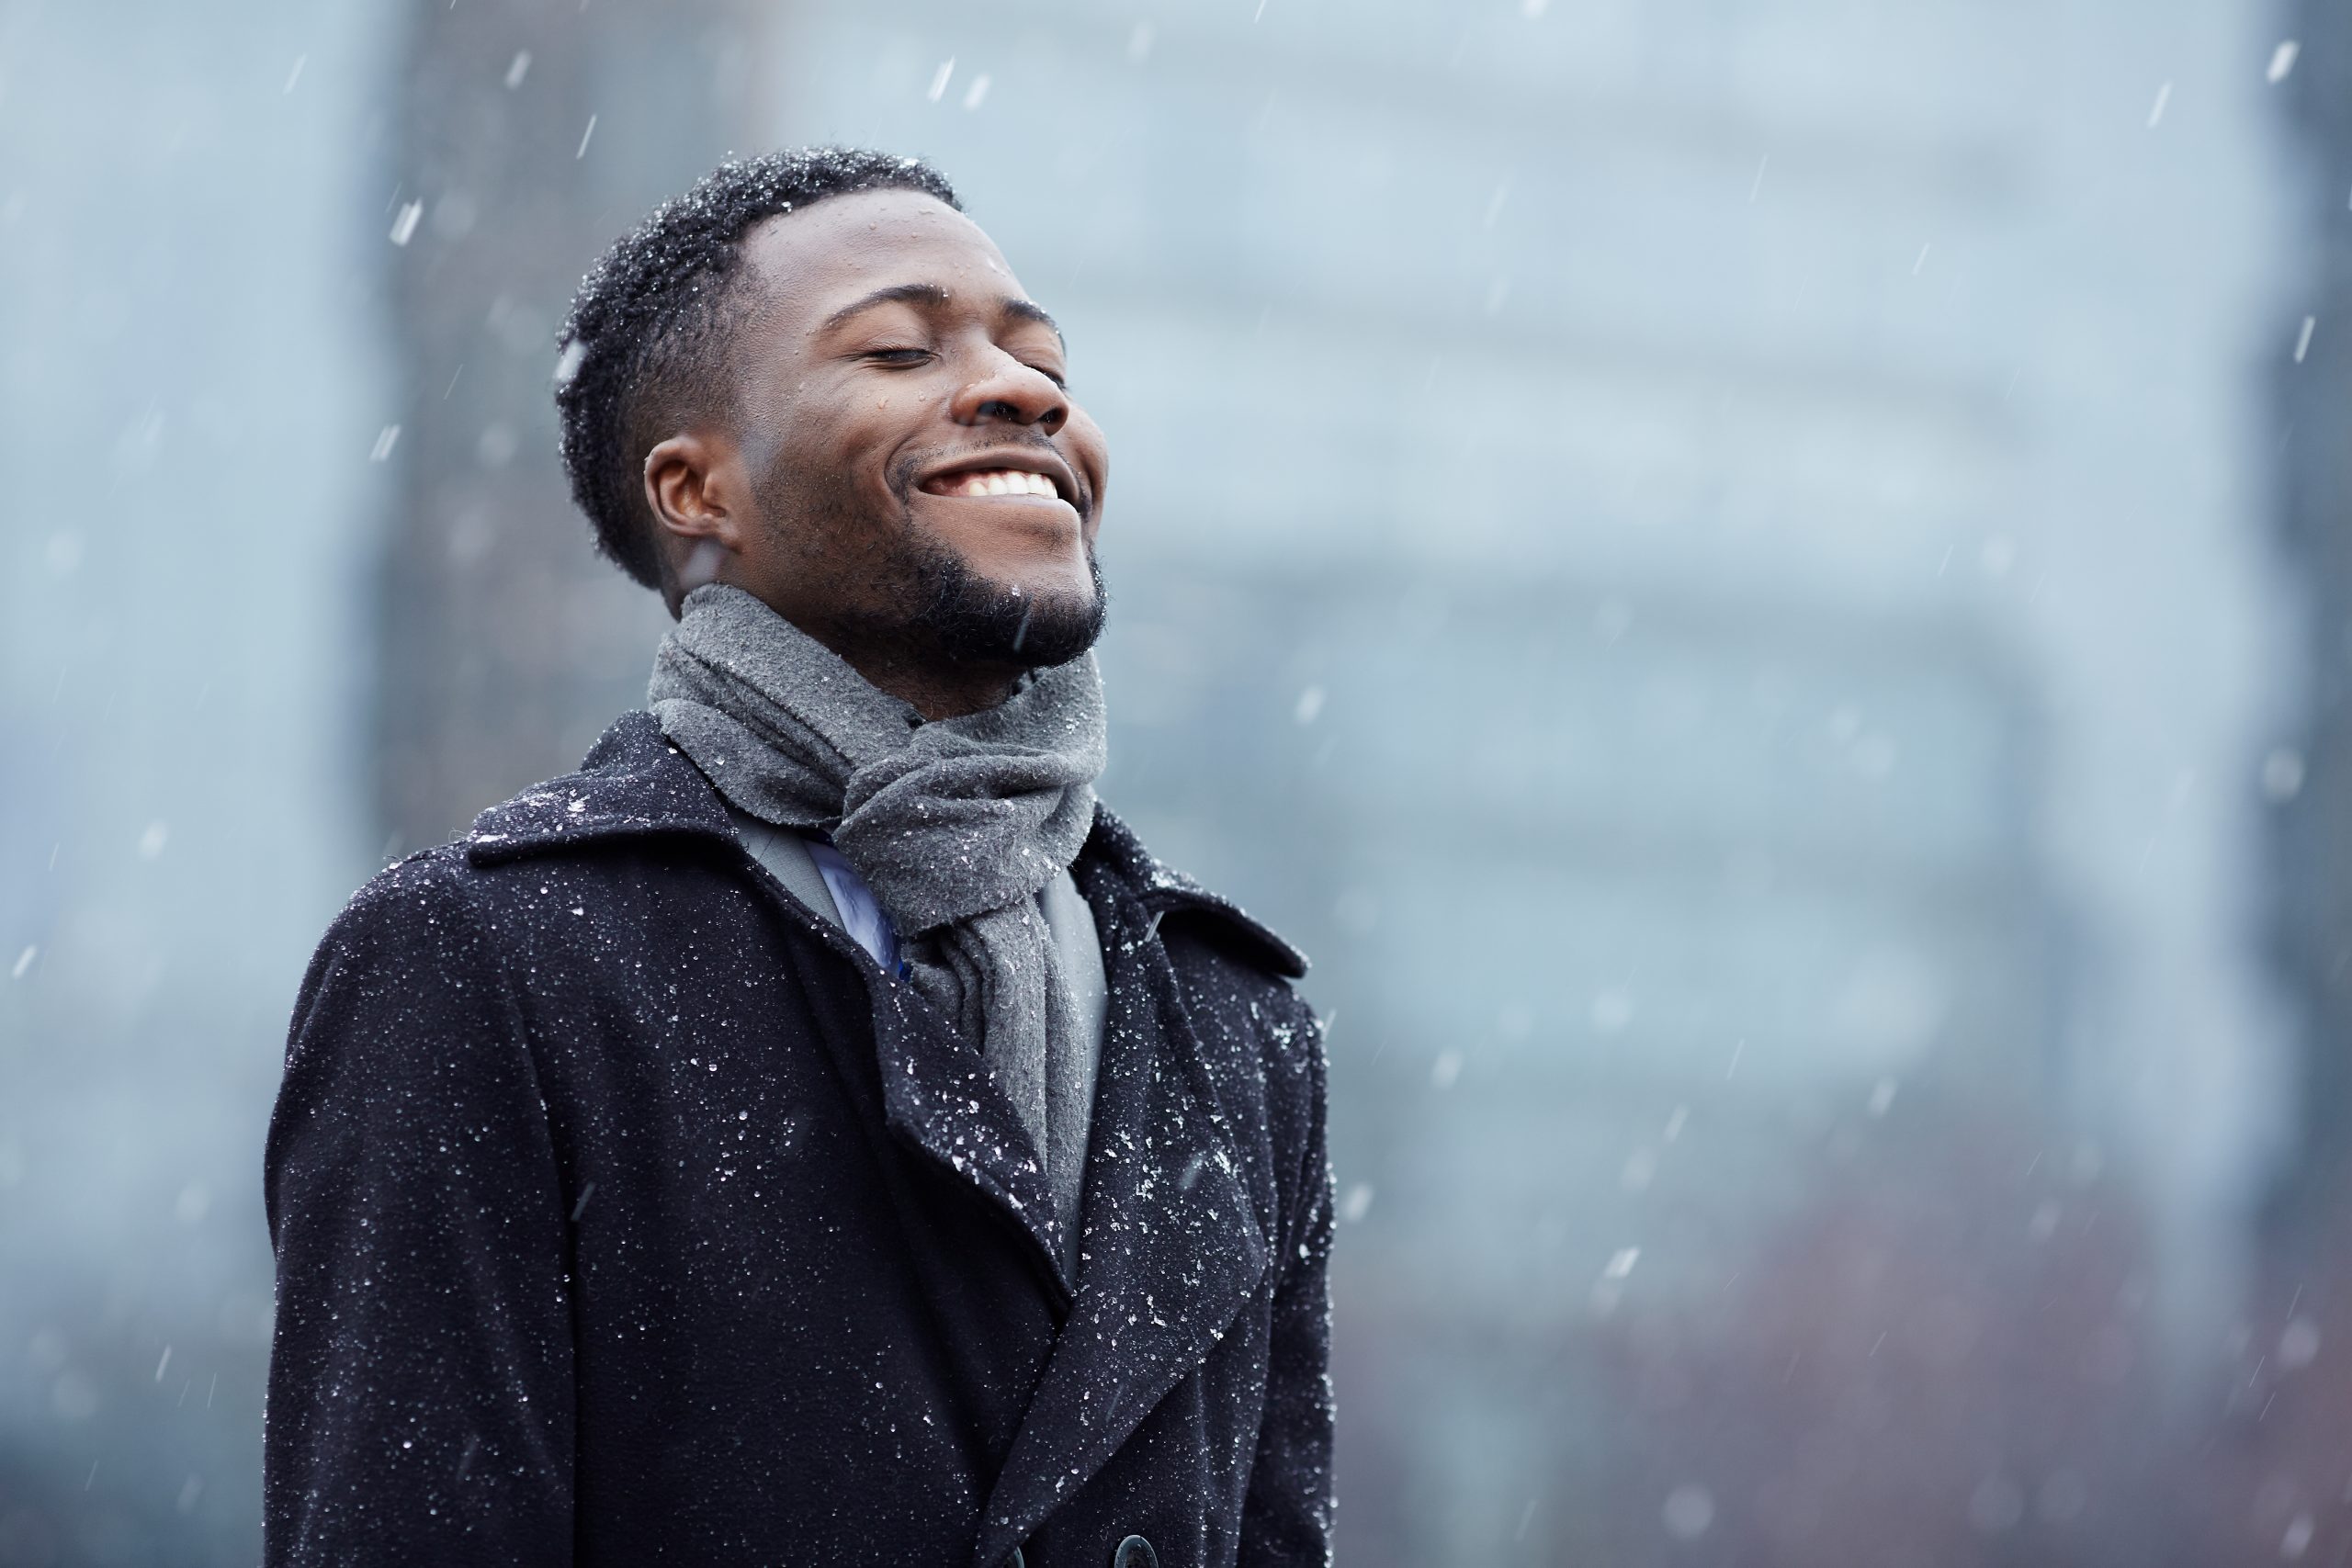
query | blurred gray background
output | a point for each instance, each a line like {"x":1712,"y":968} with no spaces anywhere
{"x":1764,"y":584}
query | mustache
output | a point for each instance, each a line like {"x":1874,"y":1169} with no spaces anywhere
{"x":901,"y":475}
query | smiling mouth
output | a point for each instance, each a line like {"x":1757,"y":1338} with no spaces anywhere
{"x":995,"y":481}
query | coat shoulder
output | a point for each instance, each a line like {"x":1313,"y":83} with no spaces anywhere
{"x":438,"y":904}
{"x":1238,"y":978}
{"x":406,"y":1012}
{"x":416,"y":930}
{"x":1180,"y":904}
{"x":633,"y":782}
{"x":428,"y":891}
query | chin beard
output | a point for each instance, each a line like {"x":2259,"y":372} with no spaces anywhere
{"x":966,"y":619}
{"x":940,"y":614}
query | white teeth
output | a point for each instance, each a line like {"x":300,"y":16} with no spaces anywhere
{"x":1005,"y":481}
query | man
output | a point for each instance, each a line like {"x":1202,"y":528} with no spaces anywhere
{"x":815,"y":1132}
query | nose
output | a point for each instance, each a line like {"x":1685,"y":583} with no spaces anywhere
{"x":1007,"y":390}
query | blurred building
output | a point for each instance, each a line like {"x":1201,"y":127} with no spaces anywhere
{"x":2308,"y":777}
{"x":192,"y":377}
{"x":2282,"y":1457}
{"x":1713,"y":564}
{"x":530,"y":140}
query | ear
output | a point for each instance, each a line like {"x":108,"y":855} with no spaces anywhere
{"x":691,"y":489}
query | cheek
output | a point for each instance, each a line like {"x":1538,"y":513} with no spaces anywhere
{"x":866,"y":434}
{"x":1090,"y":451}
{"x":841,"y":449}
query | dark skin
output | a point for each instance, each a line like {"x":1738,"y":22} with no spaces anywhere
{"x":896,"y":396}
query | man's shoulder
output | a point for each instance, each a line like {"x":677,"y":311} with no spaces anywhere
{"x":1180,"y":906}
{"x":426,"y":891}
{"x":1262,"y":1039}
{"x":633,"y":784}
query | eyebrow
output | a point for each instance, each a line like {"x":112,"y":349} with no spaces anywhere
{"x":1030,"y":311}
{"x":935,"y":295}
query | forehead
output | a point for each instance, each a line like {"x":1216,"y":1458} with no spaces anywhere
{"x":834,"y":250}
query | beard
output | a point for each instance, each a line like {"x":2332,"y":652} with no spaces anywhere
{"x":968,"y":619}
{"x":922,"y":605}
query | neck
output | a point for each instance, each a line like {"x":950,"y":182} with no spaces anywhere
{"x":934,"y":692}
{"x":905,"y":667}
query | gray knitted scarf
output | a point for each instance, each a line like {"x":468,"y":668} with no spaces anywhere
{"x":954,"y":825}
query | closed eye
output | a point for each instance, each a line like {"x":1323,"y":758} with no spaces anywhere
{"x":898,"y":355}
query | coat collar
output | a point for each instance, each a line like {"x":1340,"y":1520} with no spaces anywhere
{"x":636,"y":781}
{"x":632,"y":781}
{"x":1166,"y":892}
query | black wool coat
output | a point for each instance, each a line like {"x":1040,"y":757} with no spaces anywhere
{"x":626,"y":1212}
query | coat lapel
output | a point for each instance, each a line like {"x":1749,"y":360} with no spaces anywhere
{"x":1172,"y":1243}
{"x":937,"y":1094}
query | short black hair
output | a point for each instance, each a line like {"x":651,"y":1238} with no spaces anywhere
{"x":645,"y":344}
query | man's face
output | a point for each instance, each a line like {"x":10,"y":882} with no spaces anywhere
{"x":920,"y":476}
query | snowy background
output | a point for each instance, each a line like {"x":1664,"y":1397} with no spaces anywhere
{"x":1762,"y":582}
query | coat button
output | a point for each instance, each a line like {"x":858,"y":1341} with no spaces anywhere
{"x":1134,"y":1552}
